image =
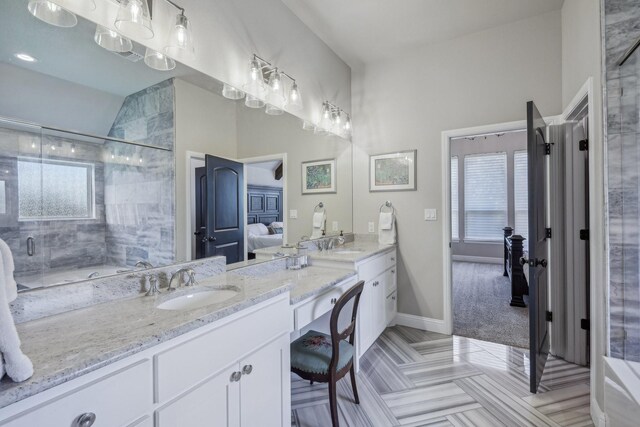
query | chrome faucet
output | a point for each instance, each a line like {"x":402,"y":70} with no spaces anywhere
{"x":153,"y":286}
{"x":191,"y":278}
{"x":144,"y":264}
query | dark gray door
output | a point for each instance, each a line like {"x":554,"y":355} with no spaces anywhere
{"x":225,"y":209}
{"x":200,"y":233}
{"x":538,"y":250}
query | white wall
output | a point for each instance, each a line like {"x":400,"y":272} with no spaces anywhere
{"x":581,"y":59}
{"x":46,"y":100}
{"x":205,"y":123}
{"x":257,"y":175}
{"x":406,"y":103}
{"x":261,"y":135}
{"x":228,"y":32}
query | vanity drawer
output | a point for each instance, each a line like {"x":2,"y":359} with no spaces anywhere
{"x":117,"y":400}
{"x":390,"y":259}
{"x":315,"y":308}
{"x":390,"y":281}
{"x":181,"y":368}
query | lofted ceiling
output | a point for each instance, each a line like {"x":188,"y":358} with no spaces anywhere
{"x":362,"y":31}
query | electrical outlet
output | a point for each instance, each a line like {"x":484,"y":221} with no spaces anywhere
{"x":430,"y":215}
{"x":293,"y":214}
{"x":372,"y":227}
{"x":334,"y":226}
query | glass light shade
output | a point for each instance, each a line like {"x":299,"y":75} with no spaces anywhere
{"x":347,"y":126}
{"x":158,"y":61}
{"x":111,"y":40}
{"x":308,"y":125}
{"x":294,"y":102}
{"x":275,"y":81}
{"x":181,"y":39}
{"x":231,"y":92}
{"x":273,"y":110}
{"x":134,"y":19}
{"x":253,"y":102}
{"x":254,"y":88}
{"x":52,"y":13}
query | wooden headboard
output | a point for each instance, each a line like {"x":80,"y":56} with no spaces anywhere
{"x":264,"y":204}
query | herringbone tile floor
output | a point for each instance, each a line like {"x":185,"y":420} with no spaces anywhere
{"x":416,"y":378}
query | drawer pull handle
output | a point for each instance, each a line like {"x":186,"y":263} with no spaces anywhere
{"x":235,"y":377}
{"x":333,"y":300}
{"x":247,"y":369}
{"x":85,"y":420}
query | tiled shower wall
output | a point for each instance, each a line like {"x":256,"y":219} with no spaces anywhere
{"x":622,"y":132}
{"x":139,"y":181}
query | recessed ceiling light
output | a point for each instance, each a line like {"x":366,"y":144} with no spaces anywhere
{"x":25,"y":57}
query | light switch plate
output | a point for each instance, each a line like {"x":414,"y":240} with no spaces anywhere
{"x":293,"y":213}
{"x":372,"y":227}
{"x":430,"y":215}
{"x":334,"y":226}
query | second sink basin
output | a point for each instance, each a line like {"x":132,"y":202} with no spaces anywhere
{"x":199,"y":299}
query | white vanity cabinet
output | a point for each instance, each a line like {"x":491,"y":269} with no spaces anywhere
{"x":378,"y":304}
{"x":233,"y":372}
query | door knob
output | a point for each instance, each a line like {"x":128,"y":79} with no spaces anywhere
{"x":211,"y":239}
{"x":535,"y":263}
{"x":542,"y":262}
{"x":523,"y":261}
{"x":197,"y":233}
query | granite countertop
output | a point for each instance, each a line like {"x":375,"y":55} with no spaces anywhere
{"x":67,"y":345}
{"x":362,"y":249}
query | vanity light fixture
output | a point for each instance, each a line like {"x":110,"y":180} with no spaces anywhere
{"x":331,"y":121}
{"x":231,"y":92}
{"x":134,"y":19}
{"x":52,"y":13}
{"x":266,"y":85}
{"x":158,"y":61}
{"x":111,"y":40}
{"x":181,"y":38}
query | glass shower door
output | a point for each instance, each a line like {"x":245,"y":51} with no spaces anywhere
{"x":21,"y":195}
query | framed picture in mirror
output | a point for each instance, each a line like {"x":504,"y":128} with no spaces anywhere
{"x":392,"y":171}
{"x":319,"y":176}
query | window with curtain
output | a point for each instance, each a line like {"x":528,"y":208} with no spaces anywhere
{"x":455,"y":235}
{"x":485,"y":196}
{"x":521,"y":193}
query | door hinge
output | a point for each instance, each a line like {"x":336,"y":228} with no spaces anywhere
{"x":548,"y":316}
{"x":585,"y":324}
{"x":584,"y":234}
{"x":547,"y":149}
{"x":583,"y":145}
{"x":547,"y":233}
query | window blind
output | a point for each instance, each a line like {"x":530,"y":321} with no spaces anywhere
{"x":485,"y":196}
{"x":521,"y":193}
{"x":455,"y":235}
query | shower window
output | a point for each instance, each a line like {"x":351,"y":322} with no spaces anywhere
{"x":55,"y":190}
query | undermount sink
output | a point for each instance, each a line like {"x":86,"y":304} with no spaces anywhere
{"x":199,"y":299}
{"x":348,"y":251}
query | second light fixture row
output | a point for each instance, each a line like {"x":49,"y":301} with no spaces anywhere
{"x":267,"y":86}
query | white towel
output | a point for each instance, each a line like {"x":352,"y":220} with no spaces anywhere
{"x":386,"y":229}
{"x":16,"y":364}
{"x":9,"y":268}
{"x":319,"y":220}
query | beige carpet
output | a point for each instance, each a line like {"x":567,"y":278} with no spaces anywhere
{"x":481,"y":309}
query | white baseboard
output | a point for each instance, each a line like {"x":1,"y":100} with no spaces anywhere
{"x":419,"y":322}
{"x":484,"y":259}
{"x":597,"y":414}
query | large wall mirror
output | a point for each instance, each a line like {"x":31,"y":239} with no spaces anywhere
{"x":106,"y":164}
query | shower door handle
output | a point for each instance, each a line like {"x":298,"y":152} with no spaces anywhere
{"x":31,"y":246}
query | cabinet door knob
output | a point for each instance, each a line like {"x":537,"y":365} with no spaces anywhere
{"x":393,"y":259}
{"x":393,"y":298}
{"x":85,"y":420}
{"x":247,"y":369}
{"x":393,"y":271}
{"x":235,"y":377}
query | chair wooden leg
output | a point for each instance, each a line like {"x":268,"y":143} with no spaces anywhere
{"x":352,"y":372}
{"x":333,"y":402}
